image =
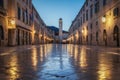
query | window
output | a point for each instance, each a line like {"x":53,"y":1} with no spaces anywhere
{"x":83,"y":8}
{"x":83,"y":18}
{"x":91,"y":38}
{"x":27,"y":2}
{"x":26,"y":16}
{"x":97,"y":7}
{"x":30,"y":19}
{"x":116,"y":11}
{"x":23,"y":15}
{"x":30,"y":4}
{"x":104,"y":2}
{"x":91,"y":27}
{"x":19,"y":13}
{"x":78,"y":22}
{"x":91,"y":11}
{"x":87,"y":15}
{"x":86,"y":3}
{"x":1,"y":3}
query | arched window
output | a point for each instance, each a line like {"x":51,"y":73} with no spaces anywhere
{"x":1,"y":33}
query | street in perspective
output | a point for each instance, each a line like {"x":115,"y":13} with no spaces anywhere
{"x":59,"y":40}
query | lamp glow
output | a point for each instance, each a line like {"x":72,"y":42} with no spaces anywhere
{"x":103,"y":19}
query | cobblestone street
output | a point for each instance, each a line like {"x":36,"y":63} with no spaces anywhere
{"x":59,"y":62}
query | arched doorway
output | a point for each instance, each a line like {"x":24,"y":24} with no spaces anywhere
{"x":105,"y":37}
{"x":87,"y":39}
{"x":1,"y":34}
{"x":18,"y":37}
{"x":97,"y":35}
{"x":91,"y":39}
{"x":116,"y":35}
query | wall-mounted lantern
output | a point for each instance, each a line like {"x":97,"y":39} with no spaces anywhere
{"x":34,"y":31}
{"x":82,"y":31}
{"x":104,"y":19}
{"x":11,"y":22}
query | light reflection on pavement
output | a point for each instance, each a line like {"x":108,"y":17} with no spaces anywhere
{"x":59,"y":62}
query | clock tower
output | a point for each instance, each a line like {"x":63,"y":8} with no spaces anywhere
{"x":60,"y":30}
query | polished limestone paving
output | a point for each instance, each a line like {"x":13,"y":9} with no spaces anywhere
{"x":59,"y":62}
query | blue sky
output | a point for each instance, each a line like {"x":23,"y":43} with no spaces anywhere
{"x":51,"y":10}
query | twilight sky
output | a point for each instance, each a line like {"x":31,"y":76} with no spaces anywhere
{"x":51,"y":10}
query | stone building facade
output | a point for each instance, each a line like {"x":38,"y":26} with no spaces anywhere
{"x":20,"y":24}
{"x":97,"y":23}
{"x":3,"y":23}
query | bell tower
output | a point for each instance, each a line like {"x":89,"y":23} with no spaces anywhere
{"x":60,"y":30}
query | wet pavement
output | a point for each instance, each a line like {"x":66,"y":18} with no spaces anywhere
{"x":59,"y":62}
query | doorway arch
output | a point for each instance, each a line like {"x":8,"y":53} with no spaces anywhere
{"x":116,"y":35}
{"x":1,"y":33}
{"x":105,"y":37}
{"x":97,"y":35}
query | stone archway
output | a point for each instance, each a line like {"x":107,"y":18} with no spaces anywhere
{"x":116,"y":35}
{"x":105,"y":37}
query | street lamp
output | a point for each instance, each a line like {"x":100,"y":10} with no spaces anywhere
{"x":104,"y":19}
{"x":82,"y":31}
